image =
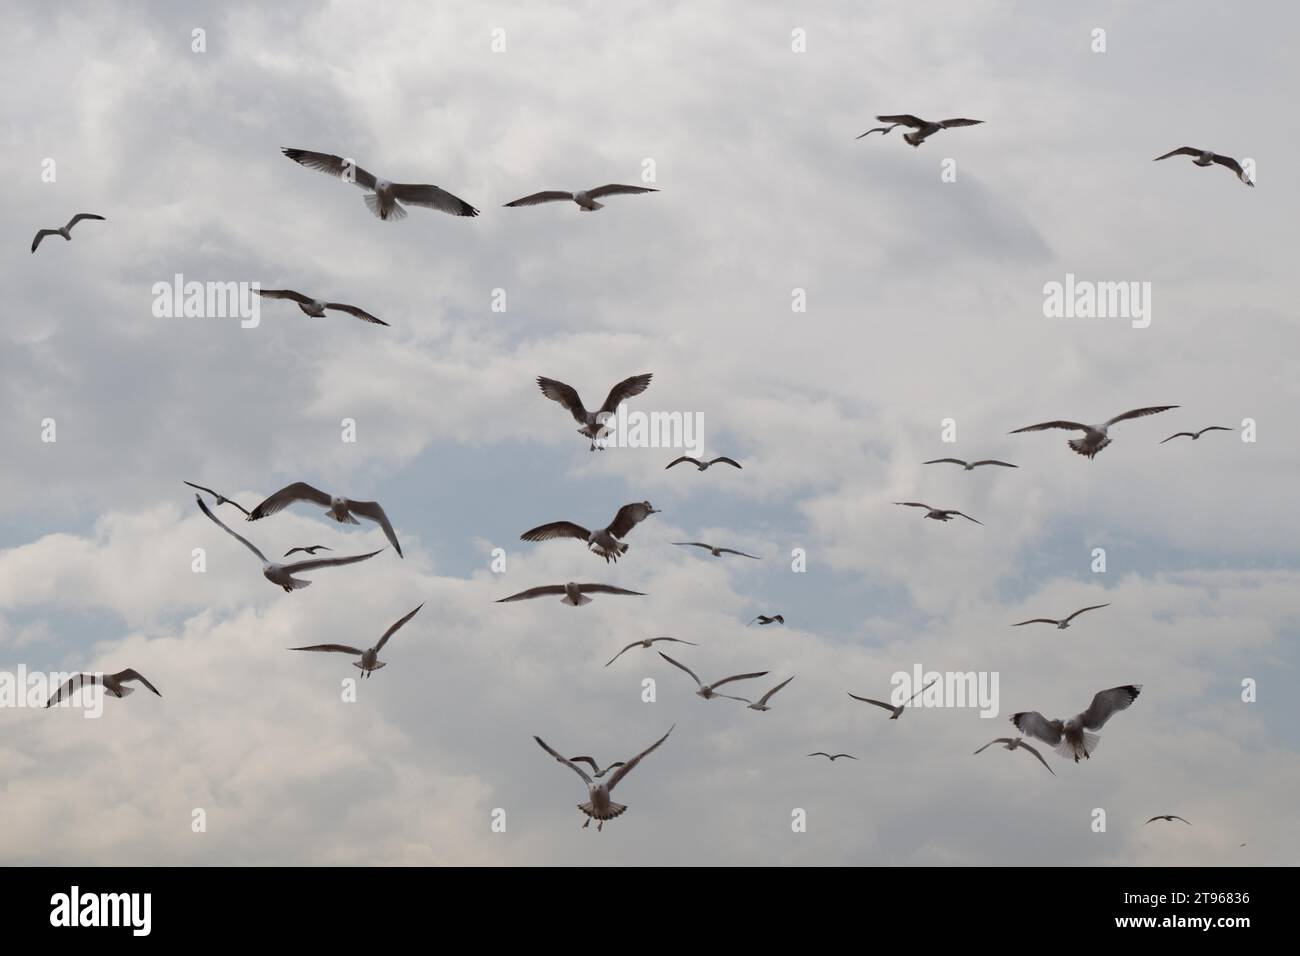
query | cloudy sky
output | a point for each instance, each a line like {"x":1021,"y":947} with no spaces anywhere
{"x":924,"y":302}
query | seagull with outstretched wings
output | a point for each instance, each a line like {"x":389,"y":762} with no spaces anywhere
{"x":602,"y":541}
{"x":586,"y":199}
{"x":924,"y":128}
{"x":343,"y":510}
{"x":64,"y":231}
{"x":594,"y":423}
{"x":1095,"y":437}
{"x":1207,"y":157}
{"x":370,"y":661}
{"x":1070,"y":738}
{"x":599,"y":806}
{"x":113,"y":684}
{"x":383,"y":198}
{"x":316,"y":307}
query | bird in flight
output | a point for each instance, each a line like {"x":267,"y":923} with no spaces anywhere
{"x":283,"y":574}
{"x":383,"y":198}
{"x":763,"y":620}
{"x":337,"y":507}
{"x":114,"y":684}
{"x":575,"y":595}
{"x":1195,"y":435}
{"x":703,"y":465}
{"x":1206,"y":157}
{"x":972,"y":465}
{"x":1170,"y":817}
{"x":707,"y":691}
{"x":761,"y":703}
{"x":716,"y":552}
{"x":599,"y":806}
{"x":370,"y":661}
{"x":831,"y":757}
{"x":1070,"y":738}
{"x":593,"y":423}
{"x":924,"y":128}
{"x":938,"y":514}
{"x":586,"y":200}
{"x":895,"y":712}
{"x":64,"y":231}
{"x":595,"y":767}
{"x":1016,"y":743}
{"x":1061,"y":624}
{"x":1095,"y":437}
{"x":603,"y":541}
{"x":309,"y":550}
{"x":220,"y":499}
{"x":646,"y":644}
{"x":316,"y":307}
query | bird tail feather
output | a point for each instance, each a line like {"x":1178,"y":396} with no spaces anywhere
{"x":393,"y":210}
{"x":582,"y":599}
{"x":614,"y":810}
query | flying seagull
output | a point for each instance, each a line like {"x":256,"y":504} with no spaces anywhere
{"x":218,"y":498}
{"x":707,"y":690}
{"x":337,"y":507}
{"x":831,"y":757}
{"x":1070,"y":737}
{"x":595,"y":767}
{"x":370,"y":661}
{"x":1206,"y":157}
{"x":646,"y":644}
{"x":763,"y":620}
{"x":924,"y":128}
{"x":309,"y":550}
{"x":575,"y":595}
{"x":1062,"y":624}
{"x":716,"y":552}
{"x":761,"y":703}
{"x":1195,"y":435}
{"x":703,"y":465}
{"x":972,"y":465}
{"x":114,"y":684}
{"x":1095,"y":436}
{"x":895,"y":712}
{"x":64,"y":231}
{"x":593,"y":423}
{"x":1170,"y":817}
{"x":602,"y":541}
{"x":600,"y":807}
{"x":586,"y":200}
{"x":383,"y":198}
{"x":316,"y":307}
{"x":938,"y":514}
{"x":1016,"y":743}
{"x":283,"y":574}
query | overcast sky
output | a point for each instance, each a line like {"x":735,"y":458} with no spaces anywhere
{"x":924,"y":302}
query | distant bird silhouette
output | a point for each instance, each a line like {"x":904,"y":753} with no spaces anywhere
{"x":716,"y":552}
{"x":763,"y":620}
{"x":1171,"y":817}
{"x":316,"y":307}
{"x":702,"y":465}
{"x":309,"y":550}
{"x":646,"y":644}
{"x":1095,"y":437}
{"x":924,"y":128}
{"x":938,"y":514}
{"x":1205,"y":157}
{"x":574,"y":594}
{"x":972,"y":465}
{"x":1195,"y":435}
{"x":831,"y":757}
{"x":1016,"y":743}
{"x":1061,"y":624}
{"x":64,"y":231}
{"x":895,"y":711}
{"x":586,"y":200}
{"x":593,"y":423}
{"x":220,"y":499}
{"x":603,"y":541}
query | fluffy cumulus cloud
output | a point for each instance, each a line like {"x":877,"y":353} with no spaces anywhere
{"x":924,"y":304}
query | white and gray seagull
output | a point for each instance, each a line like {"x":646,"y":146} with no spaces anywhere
{"x":599,"y":806}
{"x":972,"y":465}
{"x":1169,"y":818}
{"x":575,"y":595}
{"x":924,"y":128}
{"x":707,"y":690}
{"x":1016,"y":743}
{"x":646,"y":644}
{"x":586,"y":199}
{"x":1064,"y":622}
{"x":703,"y":465}
{"x":370,"y":661}
{"x":894,"y":711}
{"x":1095,"y":437}
{"x":64,"y":231}
{"x":219,"y":498}
{"x":1207,"y":157}
{"x":603,"y":541}
{"x":1195,"y":435}
{"x":593,"y":423}
{"x":316,"y":307}
{"x":283,"y":574}
{"x":342,"y":510}
{"x":383,"y":198}
{"x":938,"y":514}
{"x":1070,"y":738}
{"x":761,"y":703}
{"x":114,"y":684}
{"x":715,"y":551}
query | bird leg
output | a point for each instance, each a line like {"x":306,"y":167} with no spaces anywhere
{"x":599,"y":825}
{"x":586,"y":823}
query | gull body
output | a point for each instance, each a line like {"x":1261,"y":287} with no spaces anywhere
{"x":764,"y":620}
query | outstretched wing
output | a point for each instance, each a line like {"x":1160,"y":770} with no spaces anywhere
{"x":679,"y":664}
{"x":361,"y":314}
{"x":617,"y":656}
{"x":914,"y":504}
{"x":994,"y":461}
{"x":556,"y":529}
{"x":536,"y":199}
{"x":1180,"y":151}
{"x":728,"y":680}
{"x":614,"y":189}
{"x":71,"y":684}
{"x":995,"y":740}
{"x":628,"y":517}
{"x":80,"y":216}
{"x":221,"y":524}
{"x":726,"y":461}
{"x":533,"y":592}
{"x":964,"y":515}
{"x":316,"y":563}
{"x":431,"y":197}
{"x":953,"y":123}
{"x":1107,"y":703}
{"x":937,"y":461}
{"x":1036,"y":620}
{"x":37,"y":241}
{"x":627,"y":768}
{"x":337,"y":648}
{"x":741,"y":553}
{"x":1042,"y":426}
{"x":605,"y":589}
{"x":389,"y":633}
{"x":1140,"y":413}
{"x":372,"y":510}
{"x":902,"y":119}
{"x":1033,"y":724}
{"x":624,"y":390}
{"x":568,"y":763}
{"x":298,"y":491}
{"x":131,"y":673}
{"x":566,"y":395}
{"x":1215,"y":428}
{"x":331,"y":165}
{"x":868,"y":700}
{"x":678,"y":461}
{"x":1032,"y":750}
{"x":763,"y":700}
{"x":289,"y":294}
{"x":1177,"y":435}
{"x":1082,"y":609}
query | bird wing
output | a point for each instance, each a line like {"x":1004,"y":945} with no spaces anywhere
{"x":566,"y":395}
{"x":628,"y":517}
{"x":683,"y":667}
{"x":1034,"y":751}
{"x":541,"y":591}
{"x":994,"y":461}
{"x":1037,"y":620}
{"x":1177,"y":435}
{"x":693,"y":544}
{"x":41,"y":235}
{"x":995,"y":740}
{"x":242,"y":540}
{"x":614,"y":189}
{"x":389,"y":633}
{"x":953,"y":123}
{"x":763,"y":700}
{"x":821,"y":753}
{"x":1215,"y":428}
{"x":1043,"y":426}
{"x":1177,"y":817}
{"x":620,"y":654}
{"x":914,"y":504}
{"x":372,"y":510}
{"x":536,"y":199}
{"x":1140,"y":413}
{"x":217,"y":495}
{"x":936,"y":461}
{"x":90,"y":215}
{"x":921,"y":691}
{"x":728,"y":680}
{"x":1108,"y":703}
{"x":1231,"y":164}
{"x":589,"y":760}
{"x":556,"y":529}
{"x":298,"y":491}
{"x":330,"y":164}
{"x":1092,"y":607}
{"x":431,"y":197}
{"x":605,"y":589}
{"x":317,"y":563}
{"x":72,"y":683}
{"x":676,"y":640}
{"x":627,"y":768}
{"x":875,"y":129}
{"x":868,"y":700}
{"x":678,"y":461}
{"x":361,"y":314}
{"x":726,"y":461}
{"x":625,"y":389}
{"x":131,"y":673}
{"x":339,"y":648}
{"x":741,"y":553}
{"x":964,"y":515}
{"x":285,"y":294}
{"x":1033,"y":724}
{"x":903,"y":119}
{"x":568,"y":763}
{"x":1180,"y":151}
